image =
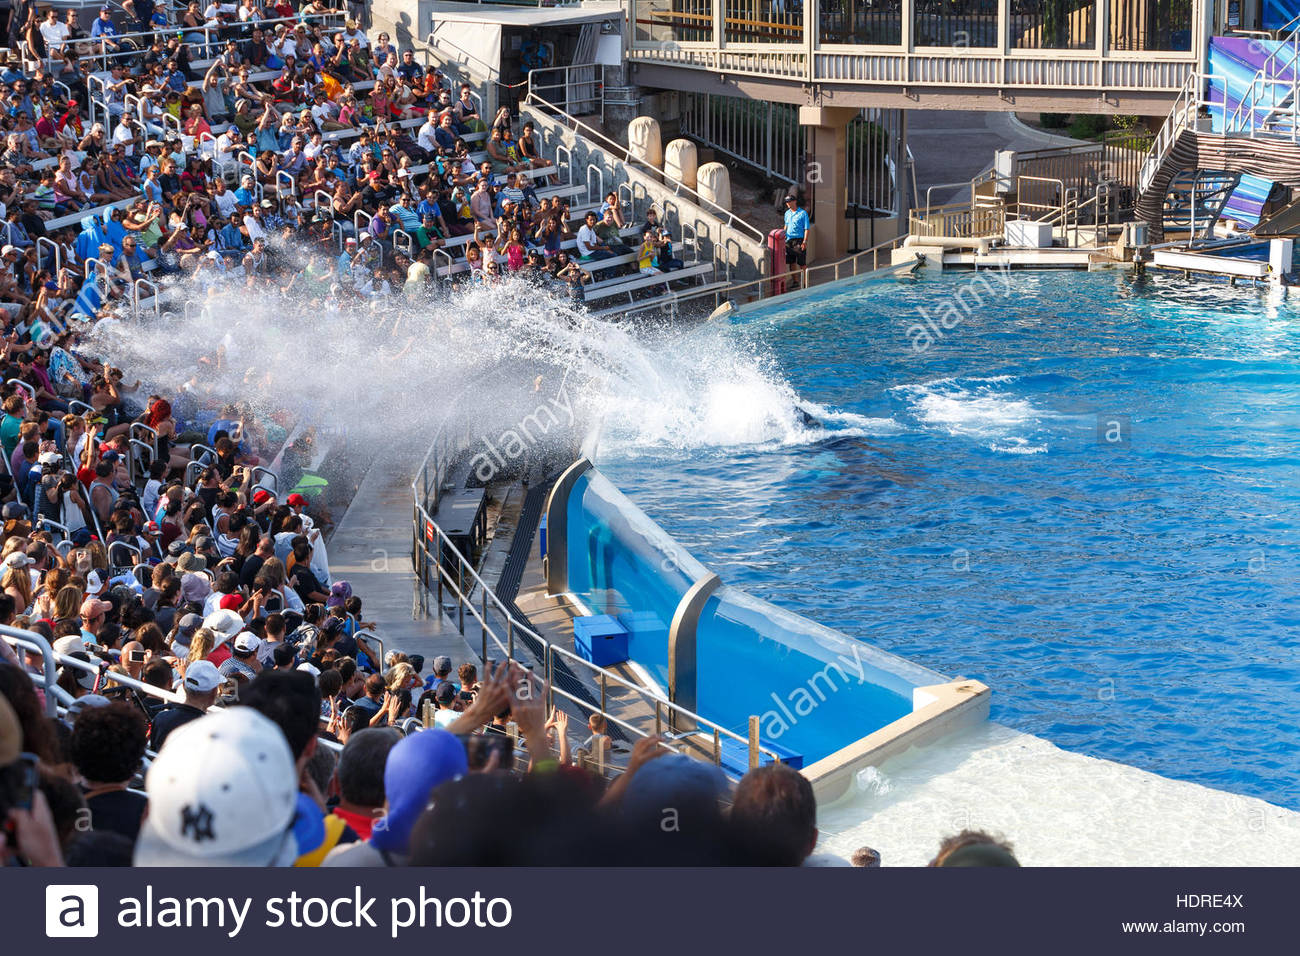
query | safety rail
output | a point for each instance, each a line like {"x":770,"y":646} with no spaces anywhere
{"x":623,"y":155}
{"x":28,"y":389}
{"x":433,"y":550}
{"x":852,"y":266}
{"x":404,"y":242}
{"x":439,"y":254}
{"x":1186,"y":111}
{"x":958,"y":220}
{"x":56,"y":698}
{"x":147,"y":458}
{"x":1049,"y":212}
{"x":578,"y":88}
{"x":262,"y":470}
{"x":136,"y":297}
{"x":41,"y":243}
{"x":51,"y":662}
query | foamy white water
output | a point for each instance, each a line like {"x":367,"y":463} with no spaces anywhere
{"x":389,"y":371}
{"x":979,"y":409}
{"x":1056,"y":807}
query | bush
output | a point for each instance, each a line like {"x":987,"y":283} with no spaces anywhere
{"x":1054,"y":120}
{"x":1088,"y":126}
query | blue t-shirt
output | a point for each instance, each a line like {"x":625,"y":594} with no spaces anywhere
{"x":796,"y":223}
{"x":221,"y":424}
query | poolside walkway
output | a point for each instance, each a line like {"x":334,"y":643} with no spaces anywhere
{"x":371,"y":549}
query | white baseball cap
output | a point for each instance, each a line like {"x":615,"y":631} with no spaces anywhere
{"x":222,"y":792}
{"x":226,"y":623}
{"x":69,"y":644}
{"x":247,"y":642}
{"x":202,"y":677}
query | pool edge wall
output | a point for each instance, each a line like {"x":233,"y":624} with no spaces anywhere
{"x":952,"y":706}
{"x":934,"y":705}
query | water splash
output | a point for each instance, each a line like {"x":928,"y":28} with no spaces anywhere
{"x":388,"y":372}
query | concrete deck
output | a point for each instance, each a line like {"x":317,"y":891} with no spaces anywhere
{"x":371,"y":549}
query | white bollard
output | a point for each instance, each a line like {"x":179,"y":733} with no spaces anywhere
{"x":682,"y":162}
{"x":715,"y":185}
{"x":1279,"y":258}
{"x":645,"y":141}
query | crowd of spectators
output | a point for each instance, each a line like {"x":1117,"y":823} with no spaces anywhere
{"x":241,"y":147}
{"x":259,"y":783}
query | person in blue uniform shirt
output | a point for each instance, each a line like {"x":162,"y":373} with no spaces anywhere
{"x":796,"y":237}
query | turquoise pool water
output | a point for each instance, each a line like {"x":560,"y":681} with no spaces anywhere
{"x":813,"y":690}
{"x":1083,"y":492}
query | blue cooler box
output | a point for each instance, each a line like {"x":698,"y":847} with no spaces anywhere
{"x":600,"y":640}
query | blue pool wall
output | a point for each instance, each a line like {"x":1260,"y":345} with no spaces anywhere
{"x":814,"y":689}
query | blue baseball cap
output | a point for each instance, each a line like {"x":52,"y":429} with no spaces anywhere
{"x":416,"y":765}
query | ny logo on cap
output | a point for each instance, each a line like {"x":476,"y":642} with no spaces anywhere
{"x":197,"y":824}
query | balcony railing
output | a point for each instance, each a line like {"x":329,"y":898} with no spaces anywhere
{"x":1079,"y":49}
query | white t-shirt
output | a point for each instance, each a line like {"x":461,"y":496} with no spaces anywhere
{"x":228,"y":142}
{"x":255,"y":230}
{"x":426,"y":139}
{"x":149,"y":497}
{"x":587,"y":240}
{"x":357,"y":35}
{"x":54,"y":34}
{"x":226,"y":203}
{"x":444,"y":718}
{"x":122,"y":135}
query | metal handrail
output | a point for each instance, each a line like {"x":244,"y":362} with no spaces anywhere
{"x":451,"y":263}
{"x":265,"y":472}
{"x":58,"y":252}
{"x":29,"y":389}
{"x":135,"y":295}
{"x":145,"y":447}
{"x":33,"y":641}
{"x":837,"y":267}
{"x":550,"y":650}
{"x":624,"y":155}
{"x":442,"y":453}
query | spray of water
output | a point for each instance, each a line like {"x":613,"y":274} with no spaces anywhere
{"x":388,"y":372}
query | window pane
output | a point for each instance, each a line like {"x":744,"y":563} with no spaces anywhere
{"x":956,"y":23}
{"x":1138,"y":25}
{"x":862,"y":22}
{"x":764,"y":21}
{"x":1053,"y":24}
{"x":681,"y":21}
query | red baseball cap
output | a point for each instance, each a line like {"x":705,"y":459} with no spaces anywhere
{"x":232,"y":602}
{"x":260,"y":496}
{"x":296,"y":500}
